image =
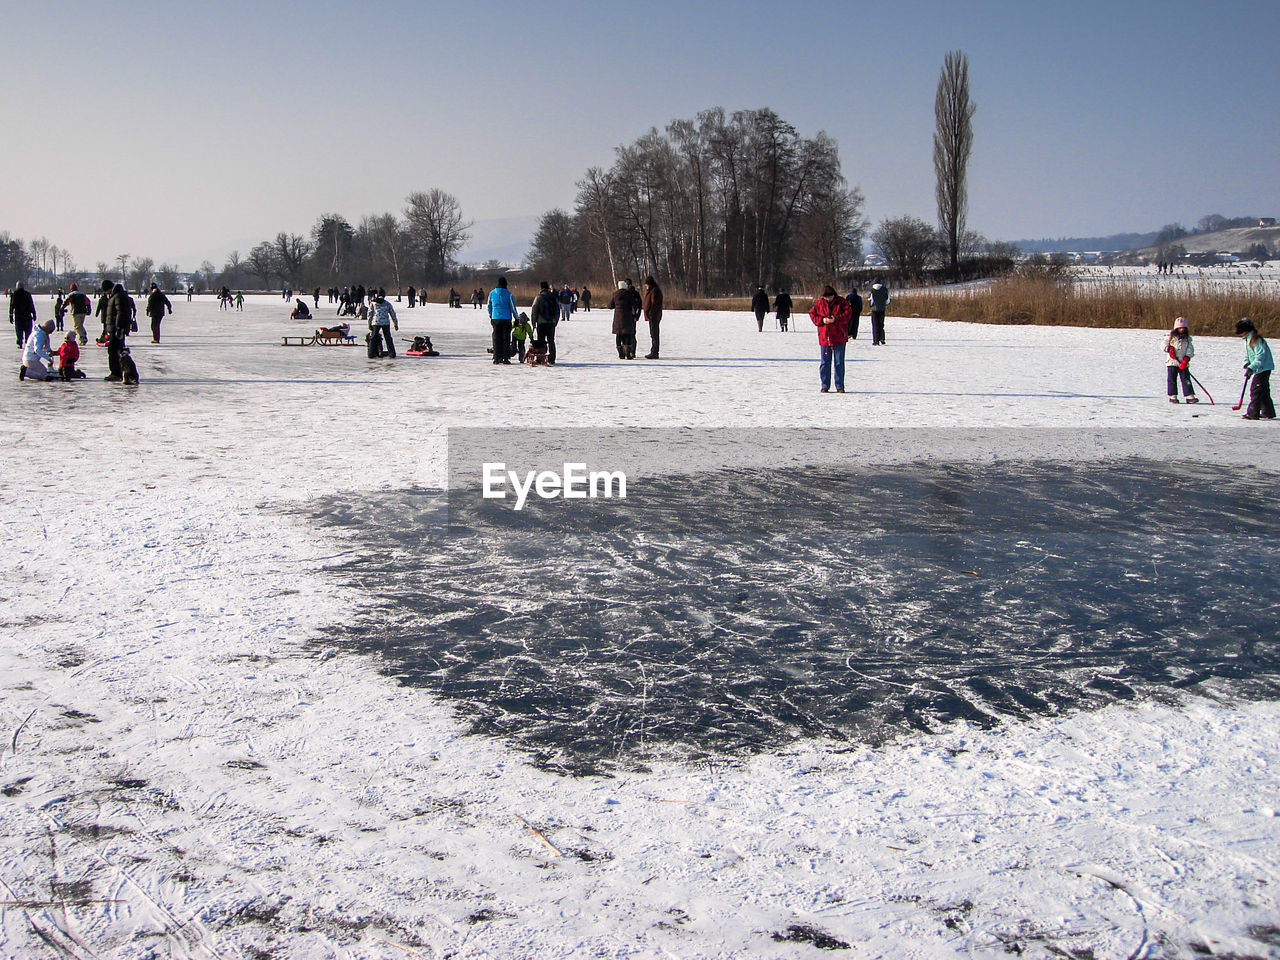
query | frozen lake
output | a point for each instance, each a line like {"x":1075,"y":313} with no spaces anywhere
{"x":738,"y":611}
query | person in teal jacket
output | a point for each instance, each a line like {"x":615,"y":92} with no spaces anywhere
{"x":1259,"y":363}
{"x":502,"y":311}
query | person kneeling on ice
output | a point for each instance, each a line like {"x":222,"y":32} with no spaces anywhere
{"x":300,"y":311}
{"x":68,"y":354}
{"x":380,"y":322}
{"x":830,"y":314}
{"x":1178,"y":345}
{"x":36,"y":354}
{"x":1258,"y":363}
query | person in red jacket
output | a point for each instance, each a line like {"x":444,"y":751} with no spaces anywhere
{"x":831,"y":315}
{"x":68,"y":354}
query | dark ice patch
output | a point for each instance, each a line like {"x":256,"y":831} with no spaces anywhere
{"x":735,"y":611}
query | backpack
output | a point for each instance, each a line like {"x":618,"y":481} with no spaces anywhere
{"x":550,"y":306}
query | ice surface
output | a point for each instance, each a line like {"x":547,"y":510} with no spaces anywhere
{"x":197,"y":760}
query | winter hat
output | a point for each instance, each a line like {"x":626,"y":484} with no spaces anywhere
{"x":73,"y":286}
{"x":18,"y":285}
{"x":47,"y":326}
{"x":1244,"y":325}
{"x":622,"y":284}
{"x":1180,"y":323}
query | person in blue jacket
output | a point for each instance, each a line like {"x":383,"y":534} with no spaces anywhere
{"x":1259,"y":363}
{"x":502,"y":311}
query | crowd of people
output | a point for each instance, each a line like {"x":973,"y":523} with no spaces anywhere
{"x":531,"y":336}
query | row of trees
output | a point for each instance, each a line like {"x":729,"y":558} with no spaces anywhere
{"x":712,"y":204}
{"x":419,"y":247}
{"x":35,"y":261}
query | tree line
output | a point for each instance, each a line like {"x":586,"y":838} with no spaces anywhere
{"x":715,"y":204}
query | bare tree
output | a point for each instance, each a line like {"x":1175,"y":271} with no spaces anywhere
{"x":907,"y":243}
{"x":953,"y":111}
{"x":262,"y":263}
{"x":388,"y":243}
{"x":435,"y":229}
{"x":231,"y":270}
{"x":123,"y":260}
{"x":291,"y":253}
{"x":167,"y":276}
{"x":551,"y":253}
{"x":333,"y":238}
{"x":140,"y":272}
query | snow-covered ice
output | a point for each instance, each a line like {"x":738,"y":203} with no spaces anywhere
{"x":198,"y":760}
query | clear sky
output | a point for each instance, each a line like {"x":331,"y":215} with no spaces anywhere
{"x":180,"y":130}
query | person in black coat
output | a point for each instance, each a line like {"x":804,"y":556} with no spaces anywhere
{"x":626,"y":307}
{"x":22,"y":313}
{"x":855,"y":304}
{"x":760,"y":306}
{"x":782,"y":306}
{"x":157,"y":305}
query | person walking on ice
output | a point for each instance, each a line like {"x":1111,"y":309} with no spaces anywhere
{"x":1259,"y":363}
{"x":830,"y":314}
{"x":1180,"y":349}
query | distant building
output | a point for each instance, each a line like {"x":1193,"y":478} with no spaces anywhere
{"x":1266,"y":221}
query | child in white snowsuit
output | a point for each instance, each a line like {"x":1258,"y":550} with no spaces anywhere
{"x":1180,"y":350}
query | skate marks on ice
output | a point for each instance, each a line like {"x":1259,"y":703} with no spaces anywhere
{"x":735,"y":611}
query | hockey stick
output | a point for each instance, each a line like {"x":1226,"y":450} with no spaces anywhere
{"x":1201,"y":386}
{"x":1242,"y":390}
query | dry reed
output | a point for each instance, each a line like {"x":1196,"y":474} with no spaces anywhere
{"x":1211,"y":310}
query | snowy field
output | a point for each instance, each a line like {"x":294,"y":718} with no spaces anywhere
{"x":1248,"y":276}
{"x":975,"y":660}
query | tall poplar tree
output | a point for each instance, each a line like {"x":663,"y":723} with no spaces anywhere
{"x":952,"y":143}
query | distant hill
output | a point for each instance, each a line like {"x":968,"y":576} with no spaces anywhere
{"x":1117,"y":241}
{"x":1235,"y":240}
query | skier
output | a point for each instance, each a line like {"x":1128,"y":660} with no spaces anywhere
{"x":879,"y":302}
{"x":760,"y":305}
{"x":782,"y":307}
{"x":1178,"y":345}
{"x":830,"y":314}
{"x":1259,"y":363}
{"x":157,"y":304}
{"x":22,"y":313}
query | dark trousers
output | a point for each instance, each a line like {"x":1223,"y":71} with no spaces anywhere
{"x":501,"y":340}
{"x":653,"y":339}
{"x":115,"y":346}
{"x":853,"y":327}
{"x":23,"y":329}
{"x":517,"y":349}
{"x":155,"y":329}
{"x":388,"y":341}
{"x":1260,"y":405}
{"x":760,"y":320}
{"x":627,"y":344}
{"x":877,"y":326}
{"x":783,"y":321}
{"x":547,"y":334}
{"x":1173,"y":376}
